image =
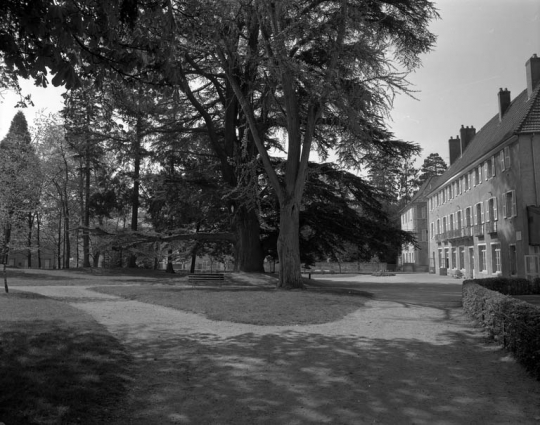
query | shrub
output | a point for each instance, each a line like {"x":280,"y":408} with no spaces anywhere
{"x":511,"y":286}
{"x":513,"y":323}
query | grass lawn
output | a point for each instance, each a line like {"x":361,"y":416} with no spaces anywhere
{"x":57,"y":365}
{"x":258,"y":306}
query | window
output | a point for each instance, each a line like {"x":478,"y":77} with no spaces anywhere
{"x":424,"y":235}
{"x":479,"y":214}
{"x":454,"y":258}
{"x":513,"y":259}
{"x":438,"y":226}
{"x":482,"y":259}
{"x":495,"y":257}
{"x":458,"y":220}
{"x":470,"y":180}
{"x":443,"y":195}
{"x":444,"y":227}
{"x":468,"y":217}
{"x":441,"y":260}
{"x":507,"y":157}
{"x":432,"y":230}
{"x":509,"y":204}
{"x":489,"y":168}
{"x":491,"y":209}
{"x":462,"y":257}
{"x":424,"y":212}
{"x":504,"y":157}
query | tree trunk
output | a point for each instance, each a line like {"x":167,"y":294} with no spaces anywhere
{"x":249,"y":254}
{"x":5,"y":274}
{"x":38,"y":239}
{"x":86,"y":222}
{"x":170,"y":268}
{"x":29,"y":242}
{"x":5,"y":253}
{"x":288,"y":246}
{"x":193,"y":259}
{"x":59,"y":242}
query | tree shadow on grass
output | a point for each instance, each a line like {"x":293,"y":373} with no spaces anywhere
{"x":52,"y":374}
{"x":299,"y":378}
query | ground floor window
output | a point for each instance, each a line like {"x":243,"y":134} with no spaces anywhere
{"x":462,"y":257}
{"x":454,"y":258}
{"x":482,"y":258}
{"x":496,"y":257}
{"x":513,"y":259}
{"x":441,"y":259}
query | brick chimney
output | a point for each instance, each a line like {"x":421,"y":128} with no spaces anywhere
{"x":454,"y":146}
{"x":504,"y":102}
{"x":467,"y":134}
{"x":533,"y":73}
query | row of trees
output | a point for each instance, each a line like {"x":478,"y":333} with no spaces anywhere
{"x":234,"y":84}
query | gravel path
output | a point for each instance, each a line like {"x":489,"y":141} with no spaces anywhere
{"x":388,"y":363}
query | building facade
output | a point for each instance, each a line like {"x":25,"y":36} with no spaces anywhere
{"x":414,"y":219}
{"x":484,"y":210}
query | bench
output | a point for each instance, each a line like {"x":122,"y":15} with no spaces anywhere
{"x":206,"y":277}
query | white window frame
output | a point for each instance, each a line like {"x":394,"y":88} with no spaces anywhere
{"x":496,"y":259}
{"x":482,"y":258}
{"x":513,"y":204}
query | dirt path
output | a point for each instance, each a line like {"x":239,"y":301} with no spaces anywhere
{"x":388,"y":363}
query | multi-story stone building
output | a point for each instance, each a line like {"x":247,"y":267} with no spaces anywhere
{"x":414,"y":219}
{"x":484,"y":210}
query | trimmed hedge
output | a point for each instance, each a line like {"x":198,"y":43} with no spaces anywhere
{"x":510,"y":286}
{"x":513,"y":323}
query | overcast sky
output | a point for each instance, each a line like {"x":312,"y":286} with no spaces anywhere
{"x":482,"y":46}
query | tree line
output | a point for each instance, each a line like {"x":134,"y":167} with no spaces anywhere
{"x":202,"y":116}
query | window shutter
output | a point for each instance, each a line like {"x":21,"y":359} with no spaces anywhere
{"x":504,"y":205}
{"x":501,"y":158}
{"x":514,"y":208}
{"x":486,"y":176}
{"x":494,"y":208}
{"x":474,"y":216}
{"x":493,"y":166}
{"x":486,"y":211}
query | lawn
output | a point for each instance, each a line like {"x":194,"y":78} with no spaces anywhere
{"x":257,"y":306}
{"x":57,"y":365}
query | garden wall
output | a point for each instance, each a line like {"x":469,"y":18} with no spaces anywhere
{"x":513,"y":323}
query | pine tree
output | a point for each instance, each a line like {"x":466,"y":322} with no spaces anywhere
{"x":433,"y":165}
{"x":19,"y":197}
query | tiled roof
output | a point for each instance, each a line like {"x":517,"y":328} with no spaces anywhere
{"x":522,"y":116}
{"x":424,"y":189}
{"x":531,"y":122}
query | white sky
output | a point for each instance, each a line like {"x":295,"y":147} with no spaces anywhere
{"x":482,"y":46}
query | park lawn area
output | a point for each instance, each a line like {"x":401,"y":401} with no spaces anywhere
{"x":58,"y":365}
{"x":256,"y":306}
